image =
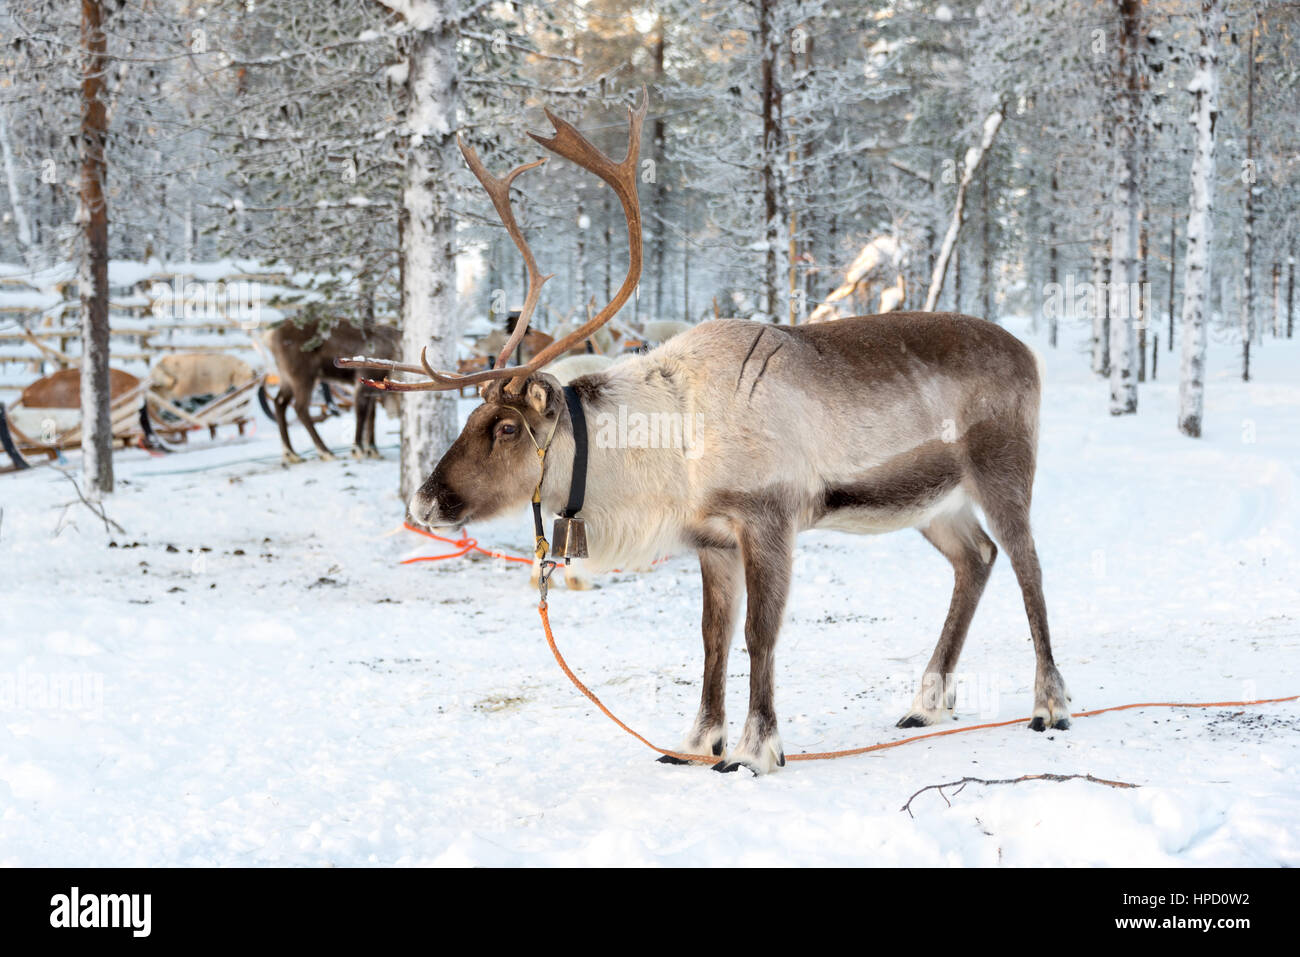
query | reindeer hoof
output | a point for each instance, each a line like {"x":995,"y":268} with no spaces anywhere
{"x":1039,"y":724}
{"x":1051,"y":703}
{"x":727,"y":767}
{"x":357,"y":453}
{"x":373,"y":453}
{"x":921,"y":718}
{"x":669,"y":759}
{"x":291,"y":458}
{"x":327,"y":456}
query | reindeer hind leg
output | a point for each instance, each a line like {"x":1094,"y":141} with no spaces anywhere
{"x":282,"y":399}
{"x":1003,"y":466}
{"x":963,"y":542}
{"x":362,"y":408}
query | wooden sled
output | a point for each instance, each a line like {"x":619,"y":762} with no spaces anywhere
{"x":46,"y":419}
{"x":173,"y":421}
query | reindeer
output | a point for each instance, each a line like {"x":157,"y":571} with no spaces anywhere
{"x":532,"y":343}
{"x":180,"y":376}
{"x":866,"y":425}
{"x":301,"y":365}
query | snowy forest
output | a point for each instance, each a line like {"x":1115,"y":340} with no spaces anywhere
{"x":1078,"y":162}
{"x":1115,"y":182}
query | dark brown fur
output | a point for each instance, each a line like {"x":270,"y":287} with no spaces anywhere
{"x":301,"y":368}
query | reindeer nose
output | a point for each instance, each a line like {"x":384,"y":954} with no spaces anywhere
{"x":423,"y":508}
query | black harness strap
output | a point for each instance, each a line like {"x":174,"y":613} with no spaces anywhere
{"x":578,"y":484}
{"x":538,"y":531}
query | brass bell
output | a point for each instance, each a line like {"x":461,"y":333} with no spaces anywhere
{"x":569,"y":538}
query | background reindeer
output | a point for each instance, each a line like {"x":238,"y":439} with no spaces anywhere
{"x":303,"y":359}
{"x":865,"y":425}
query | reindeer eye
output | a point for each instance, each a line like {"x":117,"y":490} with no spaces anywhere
{"x":507,"y":428}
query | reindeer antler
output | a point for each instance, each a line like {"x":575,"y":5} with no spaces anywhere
{"x":499,"y":191}
{"x":621,"y":177}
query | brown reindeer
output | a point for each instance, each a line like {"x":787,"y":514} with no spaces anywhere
{"x":866,"y":425}
{"x":303,"y":359}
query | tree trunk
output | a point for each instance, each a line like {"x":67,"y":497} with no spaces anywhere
{"x":97,"y":427}
{"x":1196,"y":278}
{"x":832,"y":251}
{"x":1052,"y":271}
{"x":1140,"y":300}
{"x":659,"y":260}
{"x":580,"y":270}
{"x":974,"y":155}
{"x":1277,"y":301}
{"x":608,"y":219}
{"x":956,"y":279}
{"x":1173,"y":263}
{"x":609,"y":246}
{"x":1248,"y":254}
{"x":685,"y":262}
{"x":22,"y":225}
{"x":986,"y":254}
{"x":1100,"y":308}
{"x":1124,"y":221}
{"x":429,"y":317}
{"x":1290,"y":292}
{"x":774,"y":199}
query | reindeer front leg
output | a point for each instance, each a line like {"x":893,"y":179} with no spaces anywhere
{"x":767,"y":550}
{"x":724,"y":582}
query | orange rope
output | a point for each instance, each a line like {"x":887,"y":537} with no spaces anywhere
{"x":464,"y":545}
{"x":824,"y":755}
{"x":467,"y":545}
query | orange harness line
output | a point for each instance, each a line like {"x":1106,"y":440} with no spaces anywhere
{"x":466,"y":544}
{"x":884,"y":745}
{"x":463,"y":545}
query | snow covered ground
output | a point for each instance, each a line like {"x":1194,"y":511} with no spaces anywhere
{"x":248,"y":676}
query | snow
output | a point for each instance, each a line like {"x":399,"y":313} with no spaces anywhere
{"x":397,"y":73}
{"x":295,"y":696}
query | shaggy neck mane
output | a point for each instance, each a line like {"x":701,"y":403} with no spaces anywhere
{"x":634,"y":505}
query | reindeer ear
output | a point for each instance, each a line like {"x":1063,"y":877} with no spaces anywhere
{"x":542,"y":394}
